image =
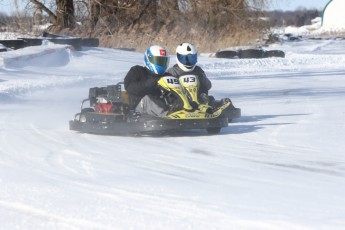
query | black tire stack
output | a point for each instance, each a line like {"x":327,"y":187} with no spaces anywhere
{"x":249,"y":53}
{"x":76,"y":42}
{"x":274,"y":53}
{"x":13,"y":44}
{"x":228,"y":54}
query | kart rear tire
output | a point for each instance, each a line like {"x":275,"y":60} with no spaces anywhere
{"x":82,"y":117}
{"x":87,"y":110}
{"x":213,"y":130}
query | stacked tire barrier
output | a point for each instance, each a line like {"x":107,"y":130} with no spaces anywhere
{"x":3,"y":48}
{"x":249,"y":53}
{"x":13,"y":44}
{"x":76,"y":42}
{"x":274,"y":53}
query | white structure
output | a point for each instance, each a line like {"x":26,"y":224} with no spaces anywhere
{"x":333,"y":18}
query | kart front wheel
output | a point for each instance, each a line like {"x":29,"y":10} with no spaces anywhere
{"x":213,"y":130}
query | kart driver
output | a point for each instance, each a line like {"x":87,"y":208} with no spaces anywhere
{"x":186,"y":58}
{"x":141,"y":83}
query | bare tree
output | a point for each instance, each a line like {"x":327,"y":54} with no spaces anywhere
{"x":64,"y":17}
{"x":65,"y":14}
{"x":41,"y":6}
{"x":95,"y":10}
{"x":160,"y":20}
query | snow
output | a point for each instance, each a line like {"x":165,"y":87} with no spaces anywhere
{"x":280,"y":166}
{"x":316,"y":29}
{"x":333,"y":18}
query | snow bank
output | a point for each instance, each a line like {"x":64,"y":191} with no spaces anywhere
{"x":37,"y":55}
{"x":316,"y":29}
{"x":280,"y":166}
{"x":14,"y":63}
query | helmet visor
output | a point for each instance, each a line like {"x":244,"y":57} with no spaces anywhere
{"x":159,"y":60}
{"x":189,"y":59}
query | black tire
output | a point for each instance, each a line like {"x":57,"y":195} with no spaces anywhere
{"x":32,"y":41}
{"x":75,"y":42}
{"x":274,"y":53}
{"x":227,"y":54}
{"x":251,"y":53}
{"x":296,"y":39}
{"x":213,"y":130}
{"x":82,"y":117}
{"x":90,"y":42}
{"x":125,"y":49}
{"x":87,"y":110}
{"x":50,"y":35}
{"x":13,"y":44}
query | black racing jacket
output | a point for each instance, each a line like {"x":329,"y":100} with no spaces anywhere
{"x":205,"y":83}
{"x":139,"y":82}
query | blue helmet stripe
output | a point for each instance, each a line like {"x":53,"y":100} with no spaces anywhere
{"x":155,"y":68}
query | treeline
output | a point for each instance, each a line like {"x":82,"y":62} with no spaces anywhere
{"x":214,"y":14}
{"x":211,"y":24}
{"x":15,"y":23}
{"x":4,"y":19}
{"x":296,"y":18}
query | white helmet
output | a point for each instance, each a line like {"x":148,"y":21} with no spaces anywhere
{"x":157,"y":59}
{"x":187,"y":57}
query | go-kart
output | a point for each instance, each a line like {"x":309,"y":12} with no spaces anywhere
{"x":109,"y":112}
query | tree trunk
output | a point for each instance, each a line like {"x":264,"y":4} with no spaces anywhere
{"x":65,"y":14}
{"x":152,"y":9}
{"x":95,"y":11}
{"x":41,"y":6}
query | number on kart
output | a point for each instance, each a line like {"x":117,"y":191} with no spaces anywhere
{"x":188,"y":80}
{"x":172,"y":81}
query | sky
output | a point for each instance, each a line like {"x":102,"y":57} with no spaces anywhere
{"x":7,"y":5}
{"x":293,"y":4}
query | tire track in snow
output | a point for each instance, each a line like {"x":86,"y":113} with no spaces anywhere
{"x":49,"y":216}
